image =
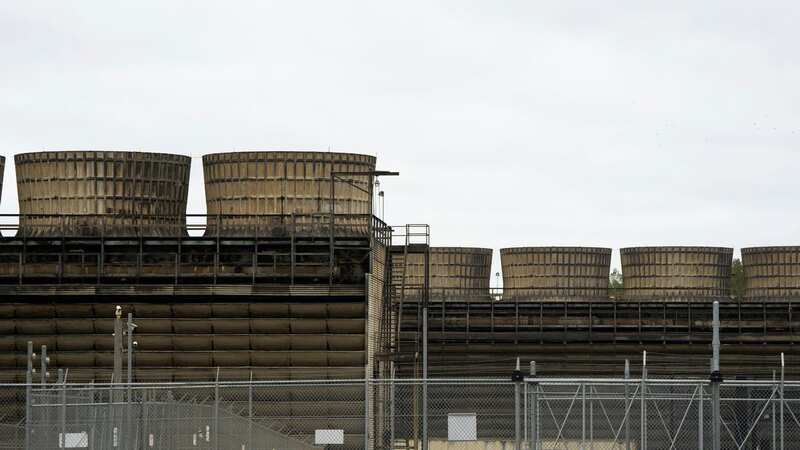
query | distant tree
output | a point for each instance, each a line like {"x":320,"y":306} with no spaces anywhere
{"x":737,"y":279}
{"x":615,"y":283}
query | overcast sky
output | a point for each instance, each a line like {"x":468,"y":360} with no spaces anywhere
{"x":512,"y":123}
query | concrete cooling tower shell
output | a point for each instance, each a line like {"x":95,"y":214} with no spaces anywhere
{"x":771,"y":272}
{"x":456,"y":273}
{"x":108,"y":193}
{"x":653,"y":273}
{"x":275,"y":193}
{"x":555,"y":273}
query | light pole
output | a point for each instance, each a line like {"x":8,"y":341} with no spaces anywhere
{"x":339,"y":175}
{"x":382,"y":200}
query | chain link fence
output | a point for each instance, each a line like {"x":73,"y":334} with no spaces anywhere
{"x":437,"y":414}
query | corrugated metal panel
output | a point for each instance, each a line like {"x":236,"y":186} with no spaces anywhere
{"x":93,"y":193}
{"x":668,"y":272}
{"x":771,"y":272}
{"x":555,"y":272}
{"x":312,"y":338}
{"x":240,"y":185}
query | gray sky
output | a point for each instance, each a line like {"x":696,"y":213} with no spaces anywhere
{"x":512,"y":123}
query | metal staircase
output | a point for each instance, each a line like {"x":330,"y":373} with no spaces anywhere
{"x":413,"y":239}
{"x":407,"y":240}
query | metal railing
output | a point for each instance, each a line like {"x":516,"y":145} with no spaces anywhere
{"x":238,"y":248}
{"x":208,"y":225}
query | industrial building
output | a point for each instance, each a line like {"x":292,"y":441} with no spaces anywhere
{"x":284,"y":278}
{"x":271,"y":286}
{"x":289,"y":275}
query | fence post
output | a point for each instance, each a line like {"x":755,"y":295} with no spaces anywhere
{"x":147,"y":399}
{"x":250,"y":412}
{"x":627,"y":375}
{"x":591,"y":418}
{"x":216,"y":411}
{"x":391,"y":404}
{"x":782,"y":400}
{"x":700,"y":420}
{"x":772,"y":416}
{"x":129,"y":405}
{"x":29,"y":397}
{"x":517,"y":378}
{"x":534,"y":411}
{"x":643,"y":408}
{"x":716,"y":379}
{"x":112,"y":429}
{"x":63,"y":409}
{"x":583,"y":416}
{"x":366,"y":409}
{"x":92,"y":429}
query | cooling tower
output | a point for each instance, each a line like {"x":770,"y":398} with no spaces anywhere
{"x":277,"y":193}
{"x":456,"y":273}
{"x":94,"y":193}
{"x":771,"y":272}
{"x":676,"y":272}
{"x":555,"y":272}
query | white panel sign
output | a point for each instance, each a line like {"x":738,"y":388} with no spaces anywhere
{"x":74,"y":440}
{"x":328,"y":437}
{"x":462,"y":427}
